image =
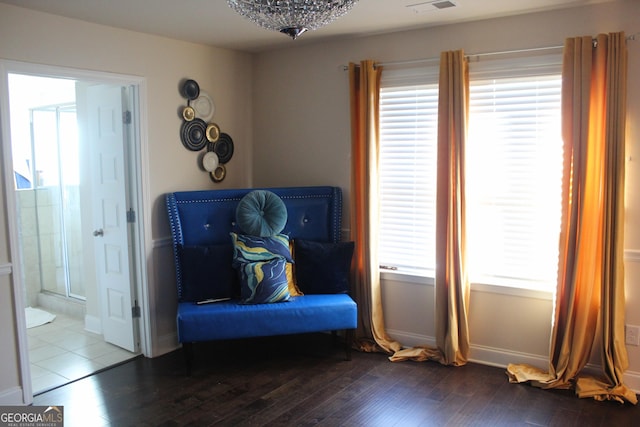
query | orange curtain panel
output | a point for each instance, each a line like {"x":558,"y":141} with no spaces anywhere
{"x":590,"y":301}
{"x":364,"y":87}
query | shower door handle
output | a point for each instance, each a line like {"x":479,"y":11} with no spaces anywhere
{"x":97,"y":233}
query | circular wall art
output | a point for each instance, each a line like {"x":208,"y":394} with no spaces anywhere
{"x":218,"y":174}
{"x":203,"y":106}
{"x":193,"y":134}
{"x":213,"y":132}
{"x":210,"y":161}
{"x":198,"y":131}
{"x":224,"y":148}
{"x":190,"y":89}
{"x":188,"y":113}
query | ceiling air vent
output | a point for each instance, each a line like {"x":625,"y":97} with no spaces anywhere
{"x":443,"y":4}
{"x":431,"y":5}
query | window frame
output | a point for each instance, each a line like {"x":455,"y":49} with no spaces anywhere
{"x":516,"y":65}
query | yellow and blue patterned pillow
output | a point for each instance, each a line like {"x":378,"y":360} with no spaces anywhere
{"x":262,"y":266}
{"x":264,"y":281}
{"x":248,"y":248}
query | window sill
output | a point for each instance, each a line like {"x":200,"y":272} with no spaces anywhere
{"x":417,"y":279}
{"x":407,"y":277}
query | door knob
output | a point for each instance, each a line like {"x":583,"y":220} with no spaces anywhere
{"x":97,"y":233}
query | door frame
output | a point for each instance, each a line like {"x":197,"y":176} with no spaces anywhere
{"x":138,"y":157}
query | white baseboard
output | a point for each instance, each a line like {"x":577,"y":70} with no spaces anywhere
{"x":93,"y":324}
{"x":632,"y":380}
{"x":409,"y":339}
{"x":165,"y":344}
{"x":11,"y":396}
{"x":500,"y":357}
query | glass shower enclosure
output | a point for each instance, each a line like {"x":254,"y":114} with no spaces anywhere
{"x":54,"y":190}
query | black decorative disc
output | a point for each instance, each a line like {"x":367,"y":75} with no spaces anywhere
{"x":190,"y":89}
{"x":224,"y":148}
{"x":193,"y":134}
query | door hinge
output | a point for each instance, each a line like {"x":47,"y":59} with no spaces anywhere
{"x":135,"y":310}
{"x":126,"y":117}
{"x":131,"y":215}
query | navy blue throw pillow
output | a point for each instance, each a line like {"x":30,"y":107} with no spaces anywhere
{"x":207,"y":272}
{"x":322,"y":268}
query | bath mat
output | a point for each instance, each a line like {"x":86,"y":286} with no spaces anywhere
{"x":36,"y":317}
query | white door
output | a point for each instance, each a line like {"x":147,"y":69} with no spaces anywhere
{"x":110,"y":195}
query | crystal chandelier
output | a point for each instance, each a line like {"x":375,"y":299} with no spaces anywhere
{"x":292,"y":17}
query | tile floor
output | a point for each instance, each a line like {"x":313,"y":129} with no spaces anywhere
{"x":62,"y":351}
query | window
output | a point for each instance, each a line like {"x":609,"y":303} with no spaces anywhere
{"x":408,"y":132}
{"x":514,"y":173}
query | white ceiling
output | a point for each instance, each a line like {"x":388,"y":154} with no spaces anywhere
{"x":212,"y":22}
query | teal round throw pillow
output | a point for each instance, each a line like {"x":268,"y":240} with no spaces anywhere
{"x":261,"y":213}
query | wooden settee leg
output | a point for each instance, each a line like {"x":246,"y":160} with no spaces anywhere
{"x":187,"y":350}
{"x":348,"y":341}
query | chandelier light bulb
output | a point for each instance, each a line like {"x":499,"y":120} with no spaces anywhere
{"x":292,"y":17}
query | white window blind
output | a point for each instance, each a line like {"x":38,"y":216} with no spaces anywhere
{"x":408,"y":132}
{"x":514,"y":172}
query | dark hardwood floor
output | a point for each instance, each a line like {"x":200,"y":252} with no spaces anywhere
{"x":304,"y":381}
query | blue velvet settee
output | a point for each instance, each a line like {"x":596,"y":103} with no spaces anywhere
{"x":209,"y":305}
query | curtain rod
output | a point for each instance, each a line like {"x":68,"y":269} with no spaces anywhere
{"x":634,"y":36}
{"x":469,"y":55}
